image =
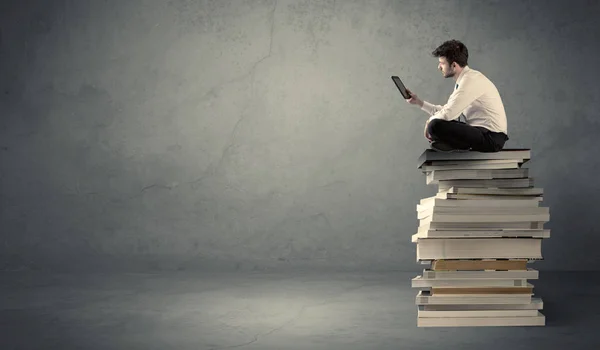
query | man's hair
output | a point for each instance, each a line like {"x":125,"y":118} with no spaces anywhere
{"x":454,"y":51}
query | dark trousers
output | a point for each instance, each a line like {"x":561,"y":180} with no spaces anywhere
{"x":463,"y":136}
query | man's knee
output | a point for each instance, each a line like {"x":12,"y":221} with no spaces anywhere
{"x":434,"y":127}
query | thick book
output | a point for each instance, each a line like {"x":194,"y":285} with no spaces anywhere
{"x":430,"y":155}
{"x":479,"y":248}
{"x":482,"y":290}
{"x":479,"y":265}
{"x":506,"y":233}
{"x":518,"y":321}
{"x":476,"y":213}
{"x":435,"y":176}
{"x":434,"y":201}
{"x":422,"y":282}
{"x":529,"y":191}
{"x":484,"y":218}
{"x":458,"y":166}
{"x":536,"y":304}
{"x":528,"y":274}
{"x":425,"y":297}
{"x":445,"y":185}
{"x":430,"y":225}
{"x":463,"y":196}
{"x":421,"y":312}
{"x":471,"y":162}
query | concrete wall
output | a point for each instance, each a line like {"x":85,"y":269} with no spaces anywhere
{"x":262,"y":134}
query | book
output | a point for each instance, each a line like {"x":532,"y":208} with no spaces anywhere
{"x":462,"y":196}
{"x":496,"y":192}
{"x":435,"y":201}
{"x":476,"y":214}
{"x":484,"y":218}
{"x":479,"y":265}
{"x":536,"y":304}
{"x":480,"y":274}
{"x":466,"y":166}
{"x":434,"y":176}
{"x":429,"y":225}
{"x":422,"y":282}
{"x":482,"y":290}
{"x":426,"y":298}
{"x":444,"y":185}
{"x":500,"y":233}
{"x":506,"y":154}
{"x":538,"y":320}
{"x":421,"y":312}
{"x":479,"y":248}
{"x":467,"y":162}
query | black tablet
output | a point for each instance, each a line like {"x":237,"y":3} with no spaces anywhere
{"x":401,"y":87}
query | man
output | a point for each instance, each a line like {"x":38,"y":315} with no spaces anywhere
{"x":474,"y":96}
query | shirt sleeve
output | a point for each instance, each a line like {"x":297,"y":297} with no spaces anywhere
{"x":467,"y":92}
{"x":430,"y":108}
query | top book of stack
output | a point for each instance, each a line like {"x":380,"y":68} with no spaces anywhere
{"x":521,"y":155}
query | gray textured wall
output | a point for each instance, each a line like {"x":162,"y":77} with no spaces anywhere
{"x":257,"y":134}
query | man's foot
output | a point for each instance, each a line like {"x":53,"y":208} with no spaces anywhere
{"x":446,"y":148}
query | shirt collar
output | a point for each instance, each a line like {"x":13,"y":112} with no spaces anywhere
{"x":462,"y":74}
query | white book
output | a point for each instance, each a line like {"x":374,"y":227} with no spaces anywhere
{"x":536,"y":304}
{"x":484,"y":166}
{"x":463,"y":196}
{"x":496,"y":218}
{"x":425,"y":226}
{"x":421,"y":312}
{"x":530,"y":191}
{"x":479,"y":248}
{"x":538,"y":320}
{"x":421,"y":282}
{"x":445,"y":185}
{"x":492,"y":212}
{"x":425,"y":298}
{"x":488,"y":289}
{"x":500,"y":210}
{"x":435,"y":176}
{"x":431,"y":202}
{"x":508,"y":233}
{"x":528,"y":274}
{"x":428,"y":262}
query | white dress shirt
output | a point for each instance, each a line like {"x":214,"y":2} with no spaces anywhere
{"x":477,"y":98}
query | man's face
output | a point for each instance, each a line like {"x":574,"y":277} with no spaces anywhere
{"x":443,"y":65}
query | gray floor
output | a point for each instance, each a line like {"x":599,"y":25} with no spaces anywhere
{"x":267,"y":311}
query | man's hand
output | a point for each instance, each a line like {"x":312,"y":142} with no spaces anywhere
{"x":427,"y":136}
{"x":414,"y":99}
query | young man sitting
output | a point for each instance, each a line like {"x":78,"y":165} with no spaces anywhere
{"x":474,"y":96}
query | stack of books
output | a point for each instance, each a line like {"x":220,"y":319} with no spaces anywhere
{"x":477,"y":234}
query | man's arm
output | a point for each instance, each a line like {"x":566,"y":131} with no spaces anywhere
{"x":430,"y":108}
{"x":424,"y":105}
{"x":468,"y":91}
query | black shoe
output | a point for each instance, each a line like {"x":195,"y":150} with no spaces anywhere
{"x":446,"y":148}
